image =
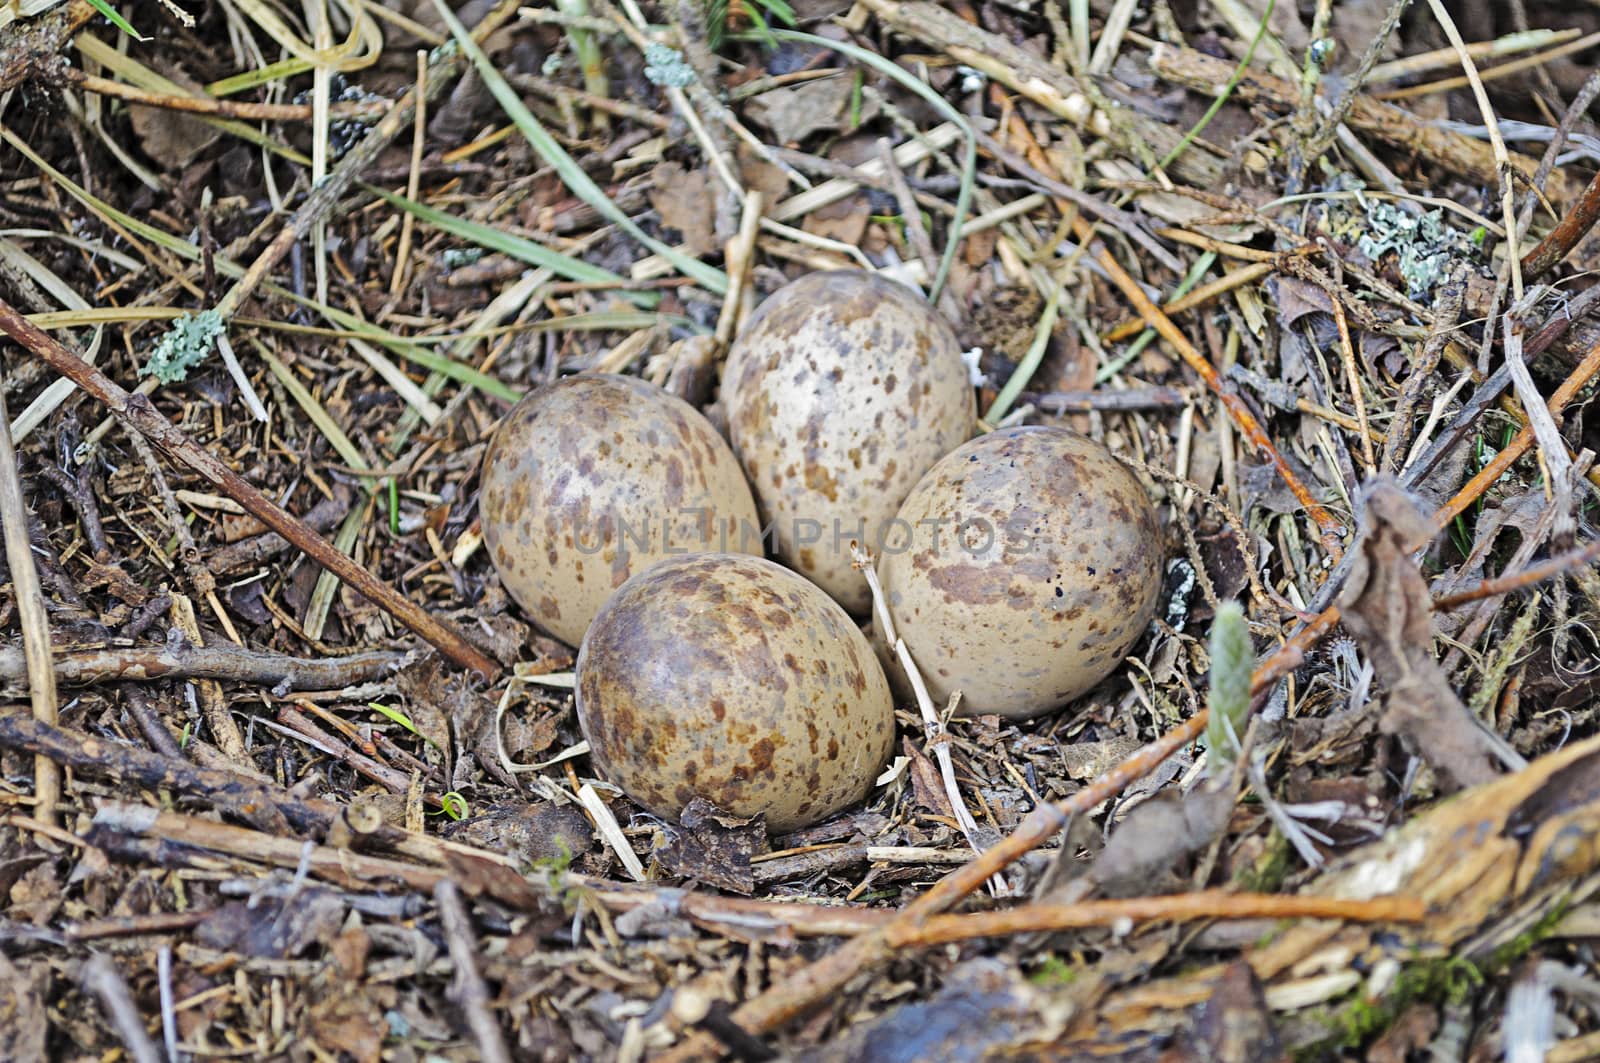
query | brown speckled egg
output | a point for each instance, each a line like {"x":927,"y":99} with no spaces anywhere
{"x":843,"y":389}
{"x":593,"y":478}
{"x":1023,"y":568}
{"x":730,"y":678}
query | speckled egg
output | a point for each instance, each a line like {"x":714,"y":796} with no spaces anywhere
{"x":731,"y":678}
{"x":591,"y":479}
{"x":1023,"y":568}
{"x":843,"y":389}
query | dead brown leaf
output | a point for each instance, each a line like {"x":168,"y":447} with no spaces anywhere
{"x":1411,"y":1032}
{"x":1235,"y":1025}
{"x":794,"y":113}
{"x":682,"y":198}
{"x":1146,"y":846}
{"x":983,"y":1007}
{"x":926,"y":784}
{"x":1387,"y":607}
{"x":172,"y":139}
{"x":273,"y":928}
{"x":715,"y":847}
{"x":529,"y":833}
{"x":845,"y":221}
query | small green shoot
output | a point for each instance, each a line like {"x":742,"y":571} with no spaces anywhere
{"x":394,"y":506}
{"x":587,"y":48}
{"x":395,"y":715}
{"x":554,"y":869}
{"x":1232,"y":659}
{"x":453,"y":805}
{"x":1030,"y":360}
{"x":716,"y":12}
{"x":1460,"y":536}
{"x":183,"y":739}
{"x":403,"y":720}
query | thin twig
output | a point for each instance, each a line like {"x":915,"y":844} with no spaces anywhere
{"x":104,"y":982}
{"x":201,"y":580}
{"x":243,"y":110}
{"x":1559,"y":241}
{"x":1490,"y":473}
{"x":408,"y":221}
{"x":828,"y":976}
{"x":468,"y":990}
{"x":81,"y":667}
{"x":1522,"y":578}
{"x":1201,"y":904}
{"x":137,"y":412}
{"x":937,"y":739}
{"x":1497,"y":144}
{"x":447,"y":63}
{"x":1329,"y":526}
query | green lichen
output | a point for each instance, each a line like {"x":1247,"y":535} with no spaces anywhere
{"x":1424,"y":246}
{"x":458,"y":257}
{"x":185,"y":346}
{"x":664,"y":66}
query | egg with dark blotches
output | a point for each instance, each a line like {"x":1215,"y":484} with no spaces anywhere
{"x":590,"y":480}
{"x":1022,"y":569}
{"x":841,"y":391}
{"x":731,"y":678}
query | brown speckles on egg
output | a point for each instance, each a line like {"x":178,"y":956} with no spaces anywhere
{"x":686,"y":664}
{"x":854,"y":373}
{"x":1029,"y":618}
{"x":610,"y":471}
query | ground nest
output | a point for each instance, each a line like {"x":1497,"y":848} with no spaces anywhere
{"x":286,"y":773}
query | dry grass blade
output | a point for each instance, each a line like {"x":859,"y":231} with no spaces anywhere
{"x":31,"y":611}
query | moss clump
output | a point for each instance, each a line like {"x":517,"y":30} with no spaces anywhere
{"x":1270,"y":869}
{"x":1053,"y":972}
{"x":1444,"y":979}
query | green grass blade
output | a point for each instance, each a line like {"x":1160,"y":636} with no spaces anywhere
{"x":283,"y":68}
{"x":327,"y":583}
{"x":320,"y":417}
{"x":571,"y":174}
{"x":517,"y":247}
{"x":1227,"y":90}
{"x":117,"y":20}
{"x":445,"y":366}
{"x":1030,"y":361}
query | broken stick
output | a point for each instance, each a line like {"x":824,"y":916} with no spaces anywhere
{"x":137,"y":412}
